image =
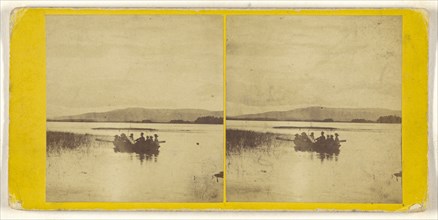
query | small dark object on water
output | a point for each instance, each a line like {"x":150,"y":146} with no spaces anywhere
{"x":218,"y":175}
{"x":263,"y":171}
{"x":83,"y":172}
{"x":397,"y":175}
{"x":197,"y":143}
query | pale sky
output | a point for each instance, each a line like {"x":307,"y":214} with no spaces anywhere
{"x":277,"y":63}
{"x":105,"y":62}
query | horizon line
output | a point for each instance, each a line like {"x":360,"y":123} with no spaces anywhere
{"x":315,"y":106}
{"x":153,"y":108}
{"x":125,"y":108}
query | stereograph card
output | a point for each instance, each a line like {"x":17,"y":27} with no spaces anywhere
{"x":215,"y":109}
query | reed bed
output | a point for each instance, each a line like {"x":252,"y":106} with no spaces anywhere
{"x":238,"y":140}
{"x":60,"y":141}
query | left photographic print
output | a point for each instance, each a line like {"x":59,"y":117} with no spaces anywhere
{"x":134,"y":108}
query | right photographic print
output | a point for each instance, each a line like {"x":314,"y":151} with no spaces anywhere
{"x":313,"y":107}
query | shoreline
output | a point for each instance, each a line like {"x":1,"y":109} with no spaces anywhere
{"x":272,"y":120}
{"x":134,"y":122}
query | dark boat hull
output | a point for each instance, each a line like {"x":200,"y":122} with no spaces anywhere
{"x":139,"y":147}
{"x":327,"y":146}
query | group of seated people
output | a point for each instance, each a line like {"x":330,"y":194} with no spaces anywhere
{"x":131,"y":139}
{"x":320,"y":139}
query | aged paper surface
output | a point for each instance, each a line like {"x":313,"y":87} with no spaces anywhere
{"x":290,"y":78}
{"x":83,"y":81}
{"x":134,"y":108}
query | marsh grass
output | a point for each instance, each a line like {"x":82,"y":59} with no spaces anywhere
{"x":61,"y":141}
{"x":240,"y":140}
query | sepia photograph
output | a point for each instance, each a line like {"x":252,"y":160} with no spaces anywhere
{"x":134,"y":108}
{"x":314,"y":109}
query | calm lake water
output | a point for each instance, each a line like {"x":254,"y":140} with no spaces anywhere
{"x":181,"y":172}
{"x":362,"y":172}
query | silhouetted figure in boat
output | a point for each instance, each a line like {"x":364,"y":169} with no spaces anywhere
{"x":131,"y":137}
{"x":304,"y":136}
{"x":321,"y":138}
{"x":124,"y":138}
{"x":337,"y":137}
{"x":149,"y":139}
{"x":312,"y":136}
{"x":330,"y":140}
{"x":156,"y":137}
{"x":297,"y":137}
{"x":141,"y":138}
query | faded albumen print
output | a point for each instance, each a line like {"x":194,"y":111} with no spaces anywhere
{"x":314,"y":109}
{"x":134,"y":108}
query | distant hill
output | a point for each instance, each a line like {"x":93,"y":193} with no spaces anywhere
{"x":321,"y":114}
{"x":141,"y":114}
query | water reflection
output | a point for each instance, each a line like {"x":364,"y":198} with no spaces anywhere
{"x":142,"y":157}
{"x":321,"y":153}
{"x":326,"y":156}
{"x":148,"y":157}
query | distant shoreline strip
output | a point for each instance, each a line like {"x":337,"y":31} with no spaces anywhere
{"x":133,"y":129}
{"x":296,"y":127}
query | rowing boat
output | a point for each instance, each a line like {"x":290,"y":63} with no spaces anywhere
{"x":137,"y":147}
{"x":322,"y":146}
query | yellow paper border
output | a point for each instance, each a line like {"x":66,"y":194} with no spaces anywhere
{"x":27,"y":129}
